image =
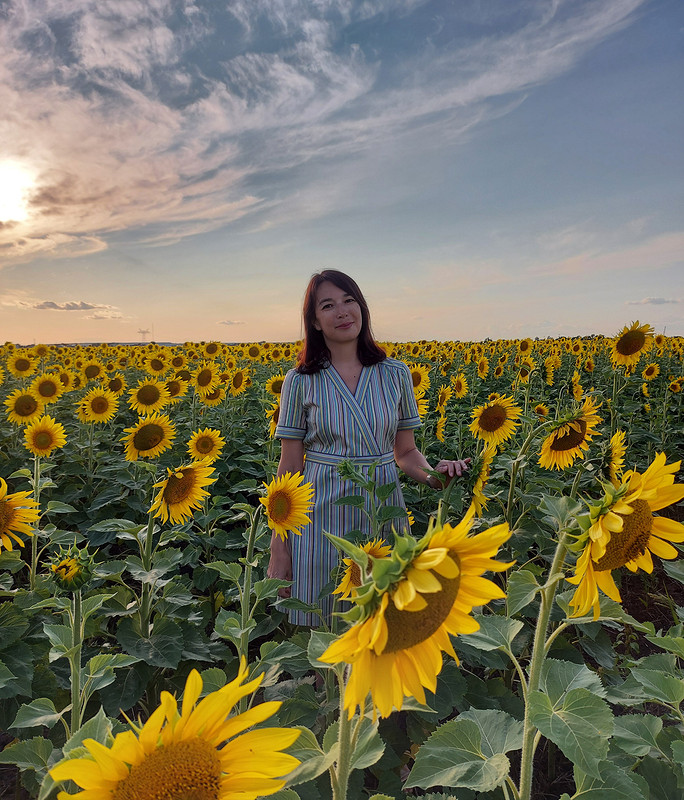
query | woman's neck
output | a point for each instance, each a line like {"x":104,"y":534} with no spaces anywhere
{"x":344,"y":355}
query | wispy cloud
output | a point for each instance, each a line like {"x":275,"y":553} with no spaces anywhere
{"x":231,"y":322}
{"x":652,"y":301}
{"x":27,"y":304}
{"x":147,"y":117}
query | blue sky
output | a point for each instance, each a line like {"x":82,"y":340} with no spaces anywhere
{"x":483,"y":168}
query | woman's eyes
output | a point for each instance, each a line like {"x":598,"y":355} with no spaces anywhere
{"x":330,"y":305}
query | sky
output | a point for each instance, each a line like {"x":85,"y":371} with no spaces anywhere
{"x":176,"y":170}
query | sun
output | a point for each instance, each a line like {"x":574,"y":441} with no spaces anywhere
{"x":16,"y":183}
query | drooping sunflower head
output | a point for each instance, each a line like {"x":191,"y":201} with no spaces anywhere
{"x":18,"y":512}
{"x":416,"y":598}
{"x":352,"y":577}
{"x":541,"y":410}
{"x":182,"y":492}
{"x":630,"y":344}
{"x":149,"y":437}
{"x":482,"y":470}
{"x":71,"y":569}
{"x":44,"y":435}
{"x":200,"y":752}
{"x":148,"y":396}
{"x":570,"y":437}
{"x":626,"y":533}
{"x":496,"y":421}
{"x":23,"y":407}
{"x":287,"y":502}
{"x":273,"y":415}
{"x":618,"y":449}
{"x":206,"y":445}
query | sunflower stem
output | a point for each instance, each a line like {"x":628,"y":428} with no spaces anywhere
{"x":515,"y":465}
{"x":34,"y":538}
{"x":537,"y":661}
{"x":146,"y":595}
{"x":344,"y":741}
{"x":75,"y":660}
{"x":246,"y":594}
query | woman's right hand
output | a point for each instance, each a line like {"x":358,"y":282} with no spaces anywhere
{"x":280,"y":564}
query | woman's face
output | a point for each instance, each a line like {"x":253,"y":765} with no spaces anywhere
{"x":338,"y":315}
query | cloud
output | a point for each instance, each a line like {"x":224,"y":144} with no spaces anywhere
{"x":20,"y":301}
{"x":72,"y":305}
{"x":231,"y":322}
{"x":108,"y":315}
{"x":651,"y":301}
{"x":166,"y":119}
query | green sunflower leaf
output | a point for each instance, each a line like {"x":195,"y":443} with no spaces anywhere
{"x":496,"y":633}
{"x":637,"y":734}
{"x":521,"y":588}
{"x":37,"y":713}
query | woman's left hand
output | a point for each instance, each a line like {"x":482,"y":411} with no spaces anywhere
{"x":453,"y":469}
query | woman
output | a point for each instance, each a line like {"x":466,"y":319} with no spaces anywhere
{"x":344,"y":400}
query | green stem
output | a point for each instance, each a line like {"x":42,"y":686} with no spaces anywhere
{"x":75,"y":661}
{"x":344,"y":740}
{"x":246,"y":594}
{"x":538,"y":654}
{"x":515,"y":465}
{"x":34,"y":538}
{"x":147,"y":588}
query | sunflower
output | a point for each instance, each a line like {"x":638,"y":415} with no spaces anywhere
{"x":253,"y":351}
{"x":351,"y":577}
{"x":589,"y":365}
{"x":178,"y":361}
{"x":479,"y":499}
{"x":17,"y":513}
{"x":674,"y":386}
{"x":482,"y":367}
{"x":440,"y":428}
{"x":618,"y":450}
{"x":274,"y":385}
{"x":273,"y":415}
{"x":459,"y":385}
{"x":576,"y":386}
{"x":525,"y":346}
{"x":206,"y":445}
{"x":48,"y":388}
{"x":496,"y":421}
{"x":625,"y":533}
{"x":211,"y":350}
{"x":176,"y":389}
{"x":287,"y":501}
{"x":149,"y":437}
{"x":570,"y":437}
{"x":44,"y":435}
{"x":630,"y":343}
{"x":420,"y":378}
{"x":214,"y":398}
{"x":205,"y":378}
{"x":21,"y":365}
{"x":444,"y":394}
{"x":238,"y":381}
{"x":148,"y":396}
{"x":541,"y":410}
{"x":182,"y":491}
{"x":98,"y":405}
{"x":93,"y":370}
{"x":23,"y":407}
{"x":426,"y":594}
{"x":650,"y":372}
{"x":156,"y":365}
{"x":200,"y":753}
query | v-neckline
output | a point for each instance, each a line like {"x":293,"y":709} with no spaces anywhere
{"x":355,"y":393}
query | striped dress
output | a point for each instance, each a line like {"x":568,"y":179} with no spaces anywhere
{"x":335,"y":423}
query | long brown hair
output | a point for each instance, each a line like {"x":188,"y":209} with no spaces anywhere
{"x":315,"y":355}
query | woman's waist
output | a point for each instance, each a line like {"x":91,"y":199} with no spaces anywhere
{"x":333,"y":459}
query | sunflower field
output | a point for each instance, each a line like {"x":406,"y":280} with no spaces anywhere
{"x":523,"y":640}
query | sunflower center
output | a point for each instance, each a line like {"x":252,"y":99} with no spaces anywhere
{"x":116,"y":384}
{"x":632,"y":541}
{"x":630,"y":343}
{"x":148,"y":437}
{"x":188,"y":770}
{"x":92,"y":371}
{"x":277,"y":386}
{"x":205,"y":444}
{"x":174,"y":388}
{"x":573,"y":438}
{"x":157,"y":365}
{"x":7,"y":513}
{"x":22,"y":365}
{"x":204,"y":377}
{"x":408,"y":628}
{"x":253,"y":352}
{"x":416,"y":377}
{"x":179,"y":488}
{"x":148,"y":395}
{"x":47,"y":389}
{"x":25,"y":405}
{"x":43,"y":440}
{"x":211,"y":349}
{"x":279,"y":505}
{"x":238,"y":380}
{"x":492,"y":418}
{"x":99,"y":405}
{"x":355,"y":575}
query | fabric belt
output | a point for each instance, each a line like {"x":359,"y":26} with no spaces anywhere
{"x":332,"y":459}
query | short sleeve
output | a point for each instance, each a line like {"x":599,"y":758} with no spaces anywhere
{"x":292,"y":418}
{"x":409,"y":419}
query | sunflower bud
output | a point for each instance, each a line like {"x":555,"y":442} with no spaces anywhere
{"x":72,"y":568}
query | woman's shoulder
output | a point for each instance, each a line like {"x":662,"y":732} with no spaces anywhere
{"x":393,"y":365}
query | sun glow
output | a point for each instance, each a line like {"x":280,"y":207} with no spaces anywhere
{"x":16,"y":182}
